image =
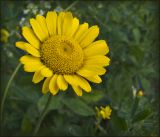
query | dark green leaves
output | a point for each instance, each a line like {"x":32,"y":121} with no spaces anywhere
{"x":141,"y":116}
{"x":78,"y":107}
{"x":137,"y":35}
{"x":26,"y":125}
{"x":94,"y":96}
{"x":55,"y":102}
{"x":118,"y":122}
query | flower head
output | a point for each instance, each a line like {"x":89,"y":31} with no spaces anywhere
{"x":4,"y":35}
{"x":140,"y":93}
{"x":63,"y":52}
{"x":104,"y":112}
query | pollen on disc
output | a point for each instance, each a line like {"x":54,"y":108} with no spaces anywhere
{"x":61,"y":54}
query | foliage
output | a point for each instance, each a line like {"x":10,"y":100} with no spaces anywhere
{"x":131,"y":31}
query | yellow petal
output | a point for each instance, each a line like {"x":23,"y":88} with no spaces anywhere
{"x":51,"y":21}
{"x":32,"y":67}
{"x":27,"y":59}
{"x":67,"y":23}
{"x":32,"y":50}
{"x":97,"y":60}
{"x":89,"y":71}
{"x":77,"y":90}
{"x":89,"y":36}
{"x":53,"y":87}
{"x":96,"y":48}
{"x":95,"y":79}
{"x":98,"y":70}
{"x":37,"y":77}
{"x":70,"y":79}
{"x":30,"y":37}
{"x":74,"y":27}
{"x":45,"y":87}
{"x":81,"y":30}
{"x":42,"y":22}
{"x":103,"y":114}
{"x":38,"y":30}
{"x":82,"y":83}
{"x":85,"y":73}
{"x":31,"y":64}
{"x":46,"y":72}
{"x":60,"y":22}
{"x":61,"y":82}
{"x":21,"y":45}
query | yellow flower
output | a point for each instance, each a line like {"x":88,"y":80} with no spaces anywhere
{"x":140,"y":93}
{"x":4,"y":35}
{"x":62,"y":51}
{"x":104,"y":112}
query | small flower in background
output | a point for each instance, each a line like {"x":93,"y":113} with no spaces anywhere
{"x":9,"y":53}
{"x":25,"y":11}
{"x":22,"y":21}
{"x":58,"y":9}
{"x":41,"y":12}
{"x":140,"y":93}
{"x":134,"y":91}
{"x":31,"y":8}
{"x":100,"y":5}
{"x":137,"y":93}
{"x":35,"y":10}
{"x":47,"y":5}
{"x":137,"y":87}
{"x":104,"y":112}
{"x":4,"y":35}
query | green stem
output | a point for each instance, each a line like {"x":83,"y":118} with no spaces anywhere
{"x":44,"y":112}
{"x":102,"y":129}
{"x":70,"y":6}
{"x":134,"y":107}
{"x":7,"y":88}
{"x":98,"y":126}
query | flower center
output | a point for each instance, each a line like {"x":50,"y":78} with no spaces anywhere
{"x":61,"y":54}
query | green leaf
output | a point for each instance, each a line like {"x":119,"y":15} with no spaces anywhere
{"x":75,"y":130}
{"x":141,"y":116}
{"x":26,"y":125}
{"x":135,"y":106}
{"x":94,"y":96}
{"x":78,"y":107}
{"x":55,"y":102}
{"x":118,"y":122}
{"x":136,"y":34}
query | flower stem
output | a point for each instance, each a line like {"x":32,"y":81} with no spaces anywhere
{"x":70,"y":6}
{"x":7,"y":88}
{"x":102,"y":129}
{"x":44,"y":112}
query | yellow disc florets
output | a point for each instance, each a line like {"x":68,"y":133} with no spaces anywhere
{"x":61,"y":54}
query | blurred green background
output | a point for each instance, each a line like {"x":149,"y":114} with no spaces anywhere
{"x":131,"y":29}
